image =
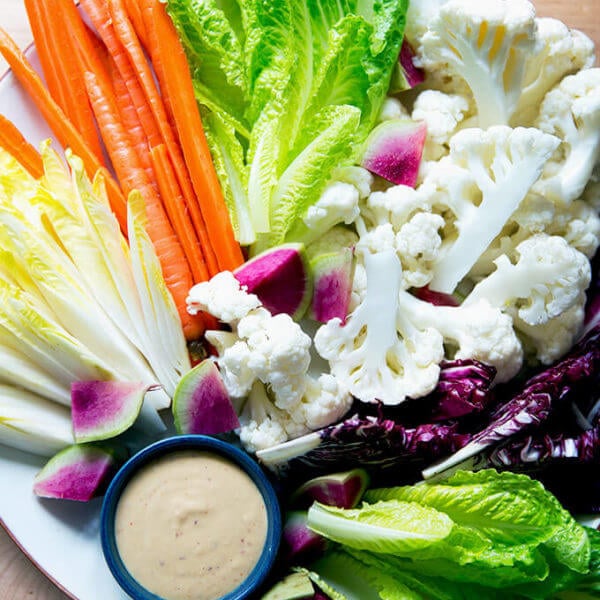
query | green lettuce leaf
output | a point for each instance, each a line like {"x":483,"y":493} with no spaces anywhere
{"x":509,"y":508}
{"x":300,"y":84}
{"x":502,"y":532}
{"x":209,"y":31}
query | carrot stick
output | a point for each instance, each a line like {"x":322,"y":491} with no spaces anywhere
{"x":175,"y":207}
{"x":177,"y":86}
{"x":131,"y":120}
{"x":15,"y":144}
{"x":66,"y":133}
{"x":58,"y":57}
{"x":98,"y":12}
{"x":137,"y":20}
{"x":128,"y":38}
{"x":45,"y":49}
{"x":173,"y":262}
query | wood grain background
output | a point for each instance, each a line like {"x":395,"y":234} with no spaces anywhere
{"x":19,"y":579}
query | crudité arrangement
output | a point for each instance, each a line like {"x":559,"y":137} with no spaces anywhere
{"x":356,"y":238}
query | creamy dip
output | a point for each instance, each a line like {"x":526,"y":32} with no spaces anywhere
{"x":191,"y":525}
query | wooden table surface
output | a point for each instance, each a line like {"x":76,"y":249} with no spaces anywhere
{"x":19,"y":579}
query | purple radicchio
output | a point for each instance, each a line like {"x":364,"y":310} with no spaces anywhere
{"x":383,"y":446}
{"x":570,"y":385}
{"x":464,"y":387}
{"x":592,"y":308}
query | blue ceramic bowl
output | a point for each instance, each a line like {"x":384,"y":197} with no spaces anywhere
{"x":189,"y":442}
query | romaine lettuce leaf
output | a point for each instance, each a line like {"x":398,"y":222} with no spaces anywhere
{"x":501,"y":532}
{"x":307,"y":79}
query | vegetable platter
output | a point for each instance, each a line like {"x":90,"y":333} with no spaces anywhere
{"x":61,"y":537}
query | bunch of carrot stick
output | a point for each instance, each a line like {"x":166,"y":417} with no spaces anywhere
{"x":119,"y":94}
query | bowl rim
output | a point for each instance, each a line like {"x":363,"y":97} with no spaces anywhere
{"x":189,"y":442}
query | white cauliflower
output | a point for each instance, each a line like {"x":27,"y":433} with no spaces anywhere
{"x":551,"y":340}
{"x":443,"y":113}
{"x":571,"y":112}
{"x":391,"y":345}
{"x":271,"y":348}
{"x":338,"y":204}
{"x":559,"y":51}
{"x":546,"y":279}
{"x":391,"y":109}
{"x":326,"y":401}
{"x":482,"y":183}
{"x":222,"y":297}
{"x":418,"y":245}
{"x":262,"y":424}
{"x":486,"y":43}
{"x":264,"y":362}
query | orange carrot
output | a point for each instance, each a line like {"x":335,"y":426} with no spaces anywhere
{"x":66,"y":133}
{"x":177,"y":86}
{"x":98,"y":12}
{"x":131,"y":119}
{"x":132,"y":176}
{"x":174,"y":204}
{"x":45,"y":49}
{"x":137,"y":20}
{"x":12,"y":140}
{"x":58,"y":58}
{"x":128,"y":38}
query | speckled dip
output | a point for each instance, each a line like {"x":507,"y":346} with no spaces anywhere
{"x":121,"y":556}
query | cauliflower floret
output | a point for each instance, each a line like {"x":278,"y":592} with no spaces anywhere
{"x":377,"y":239}
{"x":499,"y":166}
{"x":546,"y":279}
{"x":278,"y":353}
{"x":391,"y":345}
{"x":554,"y":338}
{"x":223,"y":297}
{"x":234,"y":366}
{"x":418,"y":244}
{"x":338,"y":204}
{"x":377,"y":352}
{"x":578,"y":223}
{"x":487,"y":44}
{"x":419,"y":15}
{"x":262,"y":424}
{"x":443,"y":114}
{"x":479,"y":331}
{"x":325,"y":402}
{"x":265,"y":361}
{"x":359,"y":177}
{"x":571,"y":111}
{"x":396,"y":206}
{"x":392,"y":108}
{"x":559,"y":51}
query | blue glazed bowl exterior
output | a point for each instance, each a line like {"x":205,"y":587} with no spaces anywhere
{"x":189,"y":442}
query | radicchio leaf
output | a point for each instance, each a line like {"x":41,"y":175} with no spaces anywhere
{"x":541,"y":447}
{"x":383,"y":446}
{"x":464,"y":387}
{"x":551,"y":389}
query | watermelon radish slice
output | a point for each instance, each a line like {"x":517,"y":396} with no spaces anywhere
{"x":299,"y":543}
{"x":79,"y":472}
{"x":280,"y":277}
{"x":104,"y":409}
{"x":201,"y":404}
{"x":393,"y":150}
{"x":332,"y":277}
{"x":406,"y":75}
{"x":343,"y":490}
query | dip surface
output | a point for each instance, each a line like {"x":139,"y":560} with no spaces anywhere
{"x":190,"y":525}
